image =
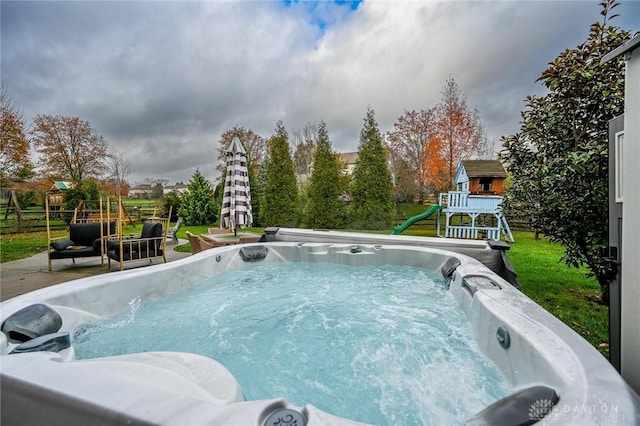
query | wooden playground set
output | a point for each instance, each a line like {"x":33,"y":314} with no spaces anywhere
{"x":474,"y":209}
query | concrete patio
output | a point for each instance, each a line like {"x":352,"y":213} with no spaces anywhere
{"x":25,"y":275}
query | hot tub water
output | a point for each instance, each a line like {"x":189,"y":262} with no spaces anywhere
{"x":382,"y":345}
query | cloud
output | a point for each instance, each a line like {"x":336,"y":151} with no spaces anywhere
{"x":163,"y":80}
{"x":400,"y":57}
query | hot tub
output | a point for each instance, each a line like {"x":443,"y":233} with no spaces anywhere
{"x":556,"y":376}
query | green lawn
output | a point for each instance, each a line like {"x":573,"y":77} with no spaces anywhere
{"x":20,"y":246}
{"x":563,"y":291}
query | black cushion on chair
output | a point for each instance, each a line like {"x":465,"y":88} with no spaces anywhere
{"x":128,"y":247}
{"x":62,"y":245}
{"x":112,"y":244}
{"x":151,"y":230}
{"x":83,"y":234}
{"x":96,"y":244}
{"x":148,"y":245}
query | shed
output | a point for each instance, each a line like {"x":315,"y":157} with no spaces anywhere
{"x":624,"y":229}
{"x":56,"y":192}
{"x":481,"y":177}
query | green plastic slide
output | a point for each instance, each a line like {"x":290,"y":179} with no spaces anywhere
{"x":407,"y":223}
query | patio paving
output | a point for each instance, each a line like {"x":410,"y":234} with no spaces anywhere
{"x":25,"y":275}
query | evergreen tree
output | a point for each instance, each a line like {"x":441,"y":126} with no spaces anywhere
{"x":172,"y":201}
{"x":196,"y":205}
{"x":325,"y":208}
{"x":372,"y":206}
{"x":280,"y":205}
{"x":257,"y":192}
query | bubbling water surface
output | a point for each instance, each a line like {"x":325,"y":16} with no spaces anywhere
{"x":385,"y":345}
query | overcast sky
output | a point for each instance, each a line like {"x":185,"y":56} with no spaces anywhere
{"x":163,"y":80}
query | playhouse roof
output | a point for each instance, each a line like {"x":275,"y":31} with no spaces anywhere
{"x":62,"y":185}
{"x":484,"y":168}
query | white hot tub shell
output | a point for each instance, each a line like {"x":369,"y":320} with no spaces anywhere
{"x":531,"y":347}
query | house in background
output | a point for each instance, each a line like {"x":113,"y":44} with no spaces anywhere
{"x":346,"y":159}
{"x":179,"y":187}
{"x":349,"y":160}
{"x":61,"y":185}
{"x":141,"y":191}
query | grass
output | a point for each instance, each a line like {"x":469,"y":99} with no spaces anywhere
{"x":20,"y":246}
{"x":563,"y":291}
{"x":131,"y":202}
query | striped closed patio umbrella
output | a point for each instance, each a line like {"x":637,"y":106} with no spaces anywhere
{"x":236,"y":201}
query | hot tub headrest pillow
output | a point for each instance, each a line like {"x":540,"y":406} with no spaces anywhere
{"x":30,"y":322}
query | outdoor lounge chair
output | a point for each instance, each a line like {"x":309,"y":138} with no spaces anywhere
{"x":85,"y":240}
{"x":250,"y":239}
{"x":217,"y":231}
{"x":173,"y":231}
{"x":149,"y":246}
{"x":199,"y":244}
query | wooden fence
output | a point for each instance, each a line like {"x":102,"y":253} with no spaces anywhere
{"x":34,"y":218}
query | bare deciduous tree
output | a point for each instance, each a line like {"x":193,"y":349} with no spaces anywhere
{"x":119,"y":169}
{"x":304,"y":142}
{"x":461,"y":129}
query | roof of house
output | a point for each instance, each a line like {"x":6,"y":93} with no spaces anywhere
{"x":348,"y":157}
{"x":484,"y":168}
{"x":141,"y":187}
{"x":177,"y":186}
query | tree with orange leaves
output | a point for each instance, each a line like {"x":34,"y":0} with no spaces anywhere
{"x":460,"y":129}
{"x":15,"y":161}
{"x":69,"y":148}
{"x":416,"y":152}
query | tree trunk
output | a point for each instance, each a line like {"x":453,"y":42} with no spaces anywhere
{"x":604,"y":290}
